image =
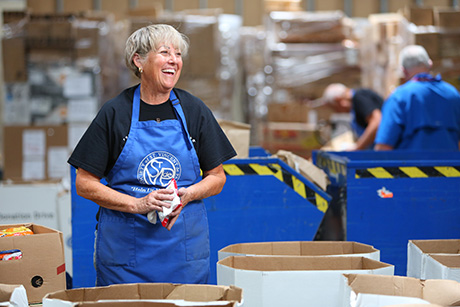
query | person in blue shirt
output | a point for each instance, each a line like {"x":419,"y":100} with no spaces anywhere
{"x":364,"y":106}
{"x":424,"y":112}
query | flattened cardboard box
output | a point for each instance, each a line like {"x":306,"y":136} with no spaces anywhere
{"x":42,"y":267}
{"x":380,"y":290}
{"x":175,"y":294}
{"x":292,"y":281}
{"x":418,"y":251}
{"x":443,"y":267}
{"x":300,"y":248}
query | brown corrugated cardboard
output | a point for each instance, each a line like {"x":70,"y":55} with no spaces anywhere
{"x":238,"y":134}
{"x":28,"y":152}
{"x":42,"y":267}
{"x":300,"y":248}
{"x":146,"y":291}
{"x":375,"y":290}
{"x":305,"y":167}
{"x":299,"y":138}
{"x":292,"y":281}
{"x":446,"y":17}
{"x":14,"y":60}
{"x":420,"y":16}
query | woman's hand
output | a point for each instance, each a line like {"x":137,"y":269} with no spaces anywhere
{"x":155,"y":200}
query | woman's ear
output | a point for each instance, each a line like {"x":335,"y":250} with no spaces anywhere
{"x":137,"y":60}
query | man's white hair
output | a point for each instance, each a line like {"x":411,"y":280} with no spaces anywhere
{"x":414,"y":56}
{"x":334,"y":91}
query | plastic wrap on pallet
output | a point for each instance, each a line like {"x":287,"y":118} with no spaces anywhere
{"x":384,"y":38}
{"x":308,"y":27}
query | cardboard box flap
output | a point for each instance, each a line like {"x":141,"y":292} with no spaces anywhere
{"x":299,"y":248}
{"x":436,"y":291}
{"x":150,"y":291}
{"x":301,"y":263}
{"x":197,"y":293}
{"x":446,"y":246}
{"x":449,"y":260}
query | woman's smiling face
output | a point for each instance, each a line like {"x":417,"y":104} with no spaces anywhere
{"x":162,"y":68}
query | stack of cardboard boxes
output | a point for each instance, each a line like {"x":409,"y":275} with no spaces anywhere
{"x":53,"y":85}
{"x":438,"y":30}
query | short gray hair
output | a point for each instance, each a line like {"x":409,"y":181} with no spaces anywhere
{"x":414,"y":56}
{"x":149,"y":38}
{"x":334,"y":91}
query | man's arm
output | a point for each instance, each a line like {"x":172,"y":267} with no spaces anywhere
{"x":383,"y":147}
{"x":368,"y":136}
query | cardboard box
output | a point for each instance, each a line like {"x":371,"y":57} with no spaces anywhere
{"x":420,"y":16}
{"x":379,"y":290}
{"x":42,"y":267}
{"x":443,"y":267}
{"x":300,"y":248}
{"x":298,"y":138}
{"x":292,"y":281}
{"x":35,"y":153}
{"x":239,"y":135}
{"x":13,"y":295}
{"x":14,"y":60}
{"x":446,"y":18}
{"x":288,"y":112}
{"x":419,"y":250}
{"x":194,"y":295}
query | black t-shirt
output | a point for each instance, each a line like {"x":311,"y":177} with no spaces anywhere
{"x":103,"y":141}
{"x":364,"y":102}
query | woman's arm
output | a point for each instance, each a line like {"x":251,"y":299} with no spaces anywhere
{"x":89,"y":186}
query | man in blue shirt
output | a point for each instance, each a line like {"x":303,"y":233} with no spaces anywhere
{"x":424,"y":112}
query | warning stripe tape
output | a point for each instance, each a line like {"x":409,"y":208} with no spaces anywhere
{"x":276,"y":170}
{"x":408,"y":172}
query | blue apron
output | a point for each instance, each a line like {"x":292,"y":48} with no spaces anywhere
{"x":130,"y":249}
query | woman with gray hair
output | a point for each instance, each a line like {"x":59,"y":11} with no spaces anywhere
{"x":150,"y":144}
{"x":424,"y":112}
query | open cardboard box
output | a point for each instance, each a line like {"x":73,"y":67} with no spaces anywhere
{"x":381,"y":290}
{"x":42,"y":267}
{"x":443,"y":266}
{"x":293,"y":280}
{"x":419,"y":250}
{"x":175,"y":294}
{"x":13,"y":295}
{"x":300,"y":248}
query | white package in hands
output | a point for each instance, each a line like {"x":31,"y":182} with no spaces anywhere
{"x":175,"y":203}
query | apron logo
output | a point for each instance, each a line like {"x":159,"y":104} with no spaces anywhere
{"x":158,"y":168}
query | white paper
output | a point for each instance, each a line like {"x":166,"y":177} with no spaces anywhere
{"x":74,"y":133}
{"x":33,"y":143}
{"x":78,"y":85}
{"x":57,"y":162}
{"x":33,"y":169}
{"x":83,"y":109}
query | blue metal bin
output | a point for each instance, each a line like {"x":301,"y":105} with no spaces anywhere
{"x":387,"y":198}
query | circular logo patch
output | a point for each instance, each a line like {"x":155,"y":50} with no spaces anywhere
{"x":158,"y":168}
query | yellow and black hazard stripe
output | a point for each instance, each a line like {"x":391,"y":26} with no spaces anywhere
{"x":276,"y":170}
{"x":408,"y":172}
